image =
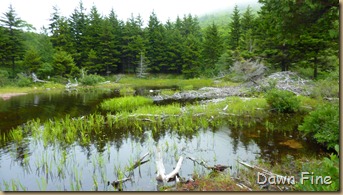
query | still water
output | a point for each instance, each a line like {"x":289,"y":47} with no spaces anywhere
{"x":31,"y":166}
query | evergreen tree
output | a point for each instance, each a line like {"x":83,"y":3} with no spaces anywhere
{"x":78,"y":22}
{"x":212,"y":47}
{"x":235,"y":29}
{"x":12,"y":37}
{"x":32,"y":60}
{"x":156,"y":45}
{"x":117,"y":32}
{"x":108,"y":52}
{"x":275,"y":41}
{"x":64,"y":65}
{"x":191,"y":56}
{"x":133,"y":43}
{"x":91,"y":38}
{"x":248,"y":30}
{"x":173,"y":48}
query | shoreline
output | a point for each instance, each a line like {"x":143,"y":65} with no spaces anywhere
{"x":7,"y":96}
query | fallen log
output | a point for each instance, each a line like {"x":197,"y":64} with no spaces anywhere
{"x":161,"y":172}
{"x":139,"y":162}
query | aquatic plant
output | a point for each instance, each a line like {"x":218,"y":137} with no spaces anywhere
{"x":127,"y":91}
{"x":128,"y":103}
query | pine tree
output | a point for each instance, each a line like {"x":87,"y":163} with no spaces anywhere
{"x":32,"y":60}
{"x":64,"y":65}
{"x":78,"y":22}
{"x":248,"y":30}
{"x":174,"y":48}
{"x":212,"y":47}
{"x":156,"y":45}
{"x":235,"y":29}
{"x":108,"y":52}
{"x":133,"y":43}
{"x":12,"y":35}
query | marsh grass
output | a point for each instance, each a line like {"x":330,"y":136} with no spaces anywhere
{"x":128,"y":103}
{"x":127,"y":91}
{"x":165,"y":82}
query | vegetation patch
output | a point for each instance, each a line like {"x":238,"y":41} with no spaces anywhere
{"x":323,"y":124}
{"x":282,"y":101}
{"x":128,"y":103}
{"x":92,"y":79}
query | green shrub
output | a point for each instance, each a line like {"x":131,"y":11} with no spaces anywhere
{"x":24,"y":81}
{"x":325,"y":88}
{"x":128,"y":103}
{"x":4,"y":78}
{"x":92,"y":79}
{"x":323,"y":124}
{"x":282,"y":101}
{"x":325,"y":167}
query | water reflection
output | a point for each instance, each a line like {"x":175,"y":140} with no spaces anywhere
{"x":20,"y":109}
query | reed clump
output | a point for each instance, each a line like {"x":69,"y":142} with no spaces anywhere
{"x":128,"y":103}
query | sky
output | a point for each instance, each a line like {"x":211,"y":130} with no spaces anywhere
{"x":38,"y":12}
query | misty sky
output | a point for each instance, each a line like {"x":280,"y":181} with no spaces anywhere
{"x":37,"y":12}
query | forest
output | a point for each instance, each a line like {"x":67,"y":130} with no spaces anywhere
{"x":293,"y":35}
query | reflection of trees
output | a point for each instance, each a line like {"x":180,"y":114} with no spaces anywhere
{"x":268,"y":140}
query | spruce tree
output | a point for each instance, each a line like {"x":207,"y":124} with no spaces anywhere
{"x":12,"y":37}
{"x":235,"y":29}
{"x":212,"y":47}
{"x":156,"y":45}
{"x":78,"y":22}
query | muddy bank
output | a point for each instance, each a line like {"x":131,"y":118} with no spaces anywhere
{"x":7,"y":96}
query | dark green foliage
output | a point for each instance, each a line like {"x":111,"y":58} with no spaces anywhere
{"x":235,"y":29}
{"x":32,"y":61}
{"x":92,"y":79}
{"x":12,"y":38}
{"x":23,"y":81}
{"x":282,"y":101}
{"x":156,"y":45}
{"x":323,"y":124}
{"x":45,"y":70}
{"x":212,"y":48}
{"x":4,"y":78}
{"x":329,"y":166}
{"x":64,"y":65}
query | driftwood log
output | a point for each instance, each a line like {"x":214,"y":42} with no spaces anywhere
{"x":161,"y":172}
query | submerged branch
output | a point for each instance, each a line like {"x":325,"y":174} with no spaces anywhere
{"x":214,"y":168}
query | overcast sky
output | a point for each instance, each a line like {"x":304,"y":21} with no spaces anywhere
{"x":37,"y":12}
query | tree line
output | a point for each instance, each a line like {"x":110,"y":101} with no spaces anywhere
{"x":285,"y":35}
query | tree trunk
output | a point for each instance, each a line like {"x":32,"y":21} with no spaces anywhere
{"x":315,"y":68}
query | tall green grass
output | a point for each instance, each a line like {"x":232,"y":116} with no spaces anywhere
{"x":128,"y":103}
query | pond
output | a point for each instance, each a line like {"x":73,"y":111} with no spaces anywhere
{"x":31,"y":165}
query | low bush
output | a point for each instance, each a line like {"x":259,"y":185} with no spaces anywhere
{"x":92,"y":79}
{"x":323,"y":124}
{"x":4,"y":78}
{"x":24,"y":81}
{"x":325,"y":167}
{"x":282,"y":101}
{"x":128,"y":103}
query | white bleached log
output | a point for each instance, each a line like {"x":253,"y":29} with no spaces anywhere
{"x":161,"y":172}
